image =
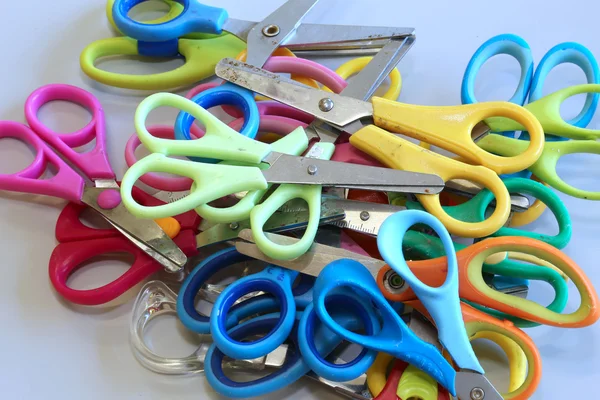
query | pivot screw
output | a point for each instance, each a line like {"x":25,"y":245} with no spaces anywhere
{"x":312,"y":169}
{"x":326,"y":104}
{"x":364,"y":215}
{"x":477,"y":394}
{"x":234,"y":225}
{"x":270,"y":30}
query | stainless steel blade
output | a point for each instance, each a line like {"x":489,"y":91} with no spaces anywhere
{"x":303,"y":170}
{"x":472,"y":385}
{"x":279,"y":222}
{"x":268,"y":34}
{"x":310,"y":263}
{"x":519,"y":202}
{"x":339,"y":110}
{"x":147,"y":234}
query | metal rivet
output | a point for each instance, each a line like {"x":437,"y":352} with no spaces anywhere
{"x":270,"y":30}
{"x":364,"y":215}
{"x":234,"y":226}
{"x":312,"y":169}
{"x":326,"y":104}
{"x":477,"y":394}
{"x":395,"y":281}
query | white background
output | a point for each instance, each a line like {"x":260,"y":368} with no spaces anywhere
{"x":51,"y":349}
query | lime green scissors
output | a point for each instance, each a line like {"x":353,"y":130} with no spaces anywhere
{"x":545,"y":167}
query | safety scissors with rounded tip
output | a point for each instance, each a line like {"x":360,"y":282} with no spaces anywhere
{"x":103,"y":194}
{"x":530,"y":87}
{"x":213,"y":181}
{"x":545,"y":167}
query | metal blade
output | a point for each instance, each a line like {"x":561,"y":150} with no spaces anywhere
{"x":310,"y":263}
{"x":363,"y":85}
{"x":519,"y":202}
{"x":144,"y":233}
{"x":170,"y":197}
{"x":267,"y":35}
{"x":343,"y":111}
{"x":309,"y":171}
{"x":472,"y":385}
{"x":279,"y":222}
{"x":322,"y":37}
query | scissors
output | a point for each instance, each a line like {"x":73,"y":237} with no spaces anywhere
{"x":381,"y":141}
{"x":545,"y":167}
{"x":103,"y":195}
{"x":531,"y":84}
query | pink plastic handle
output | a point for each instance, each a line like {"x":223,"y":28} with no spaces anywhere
{"x":94,"y":163}
{"x":271,"y":123}
{"x":68,"y":257}
{"x":66,"y":184}
{"x":201,"y":88}
{"x":171,"y":184}
{"x":345,"y":152}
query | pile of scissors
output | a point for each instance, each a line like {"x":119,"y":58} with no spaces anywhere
{"x":310,"y":230}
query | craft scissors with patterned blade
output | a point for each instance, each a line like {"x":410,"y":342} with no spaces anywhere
{"x":103,"y":195}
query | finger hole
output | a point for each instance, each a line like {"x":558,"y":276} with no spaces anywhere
{"x":131,"y":64}
{"x":574,"y":170}
{"x":64,"y":117}
{"x":100,"y":270}
{"x":15,"y":155}
{"x":498,"y":78}
{"x":148,"y":10}
{"x":494,"y":361}
{"x":165,"y":335}
{"x":563,"y":76}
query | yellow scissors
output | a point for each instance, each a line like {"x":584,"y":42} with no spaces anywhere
{"x":450,"y":128}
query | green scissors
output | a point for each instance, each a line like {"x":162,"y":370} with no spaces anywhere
{"x":545,"y":167}
{"x":201,"y":52}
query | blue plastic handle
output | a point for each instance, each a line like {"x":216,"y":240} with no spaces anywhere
{"x":195,"y":17}
{"x":512,"y":45}
{"x":293,"y":369}
{"x":226,"y":94}
{"x":274,"y":280}
{"x":310,"y":327}
{"x":443,"y":302}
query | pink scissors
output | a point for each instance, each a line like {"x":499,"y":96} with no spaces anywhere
{"x":103,"y":195}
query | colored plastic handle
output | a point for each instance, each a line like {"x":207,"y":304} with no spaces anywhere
{"x":547,"y":112}
{"x":356,"y":65}
{"x":201,"y":57}
{"x":211,"y":181}
{"x":399,"y":153}
{"x":394,"y":338}
{"x":66,"y":184}
{"x":473,"y":288}
{"x":293,"y":143}
{"x":545,"y":167}
{"x":284,"y":193}
{"x":195,"y":17}
{"x":68,"y":257}
{"x":450,"y":127}
{"x":414,"y":383}
{"x":442,"y":302}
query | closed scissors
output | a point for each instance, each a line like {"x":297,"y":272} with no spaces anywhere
{"x":103,"y":195}
{"x":531,"y":84}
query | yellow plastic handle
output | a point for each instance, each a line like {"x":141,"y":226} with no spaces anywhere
{"x":401,"y":154}
{"x":416,"y":384}
{"x":201,"y":58}
{"x":450,"y":128}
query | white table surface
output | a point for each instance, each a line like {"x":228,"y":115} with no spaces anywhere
{"x":51,"y":349}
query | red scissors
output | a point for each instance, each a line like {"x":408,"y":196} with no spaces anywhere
{"x":79,"y":244}
{"x":393,"y":380}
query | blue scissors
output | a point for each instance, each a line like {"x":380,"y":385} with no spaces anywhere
{"x":531,"y":84}
{"x":394,"y":337}
{"x":226,"y":314}
{"x":348,"y":313}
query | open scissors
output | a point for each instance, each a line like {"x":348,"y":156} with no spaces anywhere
{"x":339,"y":111}
{"x":530,"y":87}
{"x":103,"y":195}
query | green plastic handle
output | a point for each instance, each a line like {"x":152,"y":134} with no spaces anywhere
{"x":547,"y":111}
{"x":294,"y":143}
{"x":420,"y":246}
{"x":220,"y":141}
{"x":545,"y":167}
{"x":284,"y":193}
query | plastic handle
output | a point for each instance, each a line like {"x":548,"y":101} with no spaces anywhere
{"x":195,"y":17}
{"x":391,"y":385}
{"x":356,"y":65}
{"x":284,"y":193}
{"x":66,"y":184}
{"x":69,"y":227}
{"x":401,"y":154}
{"x":293,"y":143}
{"x":450,"y":127}
{"x":572,"y":53}
{"x":442,"y":302}
{"x":93,"y":163}
{"x":547,"y":112}
{"x":511,"y":45}
{"x":394,"y":338}
{"x":201,"y":58}
{"x":545,"y":168}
